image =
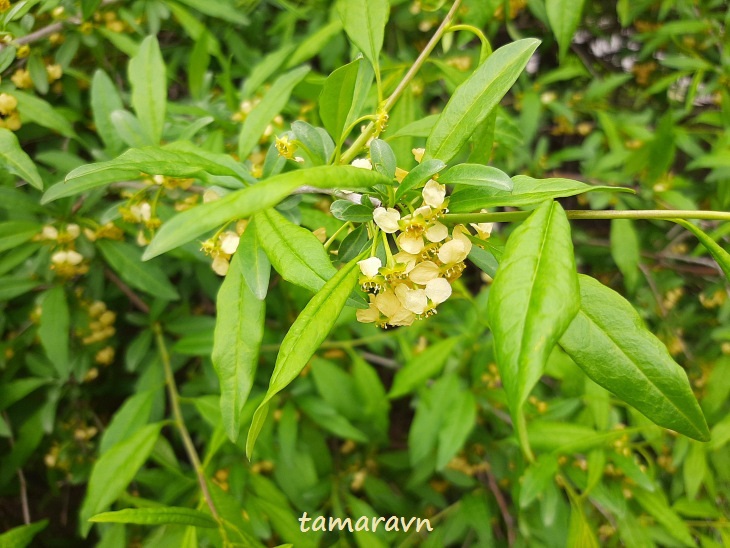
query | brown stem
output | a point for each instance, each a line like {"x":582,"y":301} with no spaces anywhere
{"x":509,"y":521}
{"x":131,"y":295}
{"x":21,"y":478}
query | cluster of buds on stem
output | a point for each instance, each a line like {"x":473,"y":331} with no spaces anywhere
{"x":222,"y":247}
{"x":418,"y":277}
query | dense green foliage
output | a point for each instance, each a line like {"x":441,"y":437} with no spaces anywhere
{"x":248,"y":270}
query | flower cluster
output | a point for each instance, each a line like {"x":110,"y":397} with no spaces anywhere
{"x":418,"y":277}
{"x":9,"y":117}
{"x":222,"y":247}
{"x":66,"y":262}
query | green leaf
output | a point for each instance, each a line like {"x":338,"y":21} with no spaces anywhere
{"x":343,"y":96}
{"x":301,"y":341}
{"x":224,"y":10}
{"x":459,"y":420}
{"x":148,"y":76}
{"x":536,"y":478}
{"x":158,"y":516}
{"x":294,"y":251}
{"x":105,"y":99}
{"x":134,"y":413}
{"x":179,"y":159}
{"x":473,"y":101}
{"x":419,"y":176}
{"x":20,"y":537}
{"x":54,"y":329}
{"x":533,"y":299}
{"x":476,"y":175}
{"x":383,"y":158}
{"x":526,"y":191}
{"x":345,"y":210}
{"x":243,"y":203}
{"x":239,"y":329}
{"x":718,"y":253}
{"x":580,"y":532}
{"x":656,"y":505}
{"x":16,"y":161}
{"x":608,"y":341}
{"x":129,"y":129}
{"x":421,"y":367}
{"x":564,"y":16}
{"x":38,"y":74}
{"x":625,"y":250}
{"x":126,"y":260}
{"x":114,"y":470}
{"x":16,"y":233}
{"x":16,"y":390}
{"x":255,"y":265}
{"x":14,"y":286}
{"x":353,"y":244}
{"x":271,"y":105}
{"x":364,"y":24}
{"x":326,"y":416}
{"x":36,"y":110}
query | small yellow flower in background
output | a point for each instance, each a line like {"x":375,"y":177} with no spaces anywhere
{"x":54,"y":72}
{"x":23,"y":51}
{"x":56,"y":39}
{"x":12,"y":122}
{"x":4,"y":5}
{"x":8,"y":104}
{"x":21,"y":78}
{"x":58,"y":12}
{"x":105,"y":356}
{"x":321,"y":234}
{"x":68,"y":263}
{"x":418,"y":154}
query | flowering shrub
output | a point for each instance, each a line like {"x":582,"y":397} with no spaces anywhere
{"x":386,"y":261}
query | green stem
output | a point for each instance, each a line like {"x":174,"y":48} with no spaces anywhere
{"x":486,"y":50}
{"x":521,"y":427}
{"x":328,"y":243}
{"x":660,"y":214}
{"x":179,"y":422}
{"x":360,"y":142}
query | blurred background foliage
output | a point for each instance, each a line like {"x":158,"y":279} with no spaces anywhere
{"x":639,"y":98}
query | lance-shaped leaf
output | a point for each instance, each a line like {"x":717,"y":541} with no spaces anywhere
{"x":54,"y":329}
{"x":364,"y":24}
{"x":270,"y":106}
{"x":343,"y":95}
{"x":114,"y":470}
{"x":608,"y":340}
{"x":125,"y":259}
{"x":239,"y":329}
{"x":179,"y":159}
{"x":242,"y":203}
{"x":526,"y":191}
{"x":306,"y":334}
{"x":477,"y":175}
{"x":564,"y":16}
{"x":294,"y":251}
{"x":474,"y":100}
{"x":105,"y":99}
{"x":718,"y":253}
{"x":158,"y":516}
{"x":255,"y":265}
{"x":533,"y":299}
{"x":18,"y":537}
{"x":17,"y":162}
{"x":147,"y":74}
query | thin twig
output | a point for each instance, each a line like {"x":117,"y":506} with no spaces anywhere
{"x":131,"y":295}
{"x":509,"y":521}
{"x":179,"y":422}
{"x":21,"y":477}
{"x":46,"y":31}
{"x":369,"y":131}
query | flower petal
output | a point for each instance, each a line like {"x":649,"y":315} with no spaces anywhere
{"x":438,"y":290}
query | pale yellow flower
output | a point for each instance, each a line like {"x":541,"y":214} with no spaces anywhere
{"x":363,"y":163}
{"x":434,"y":194}
{"x":386,"y":219}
